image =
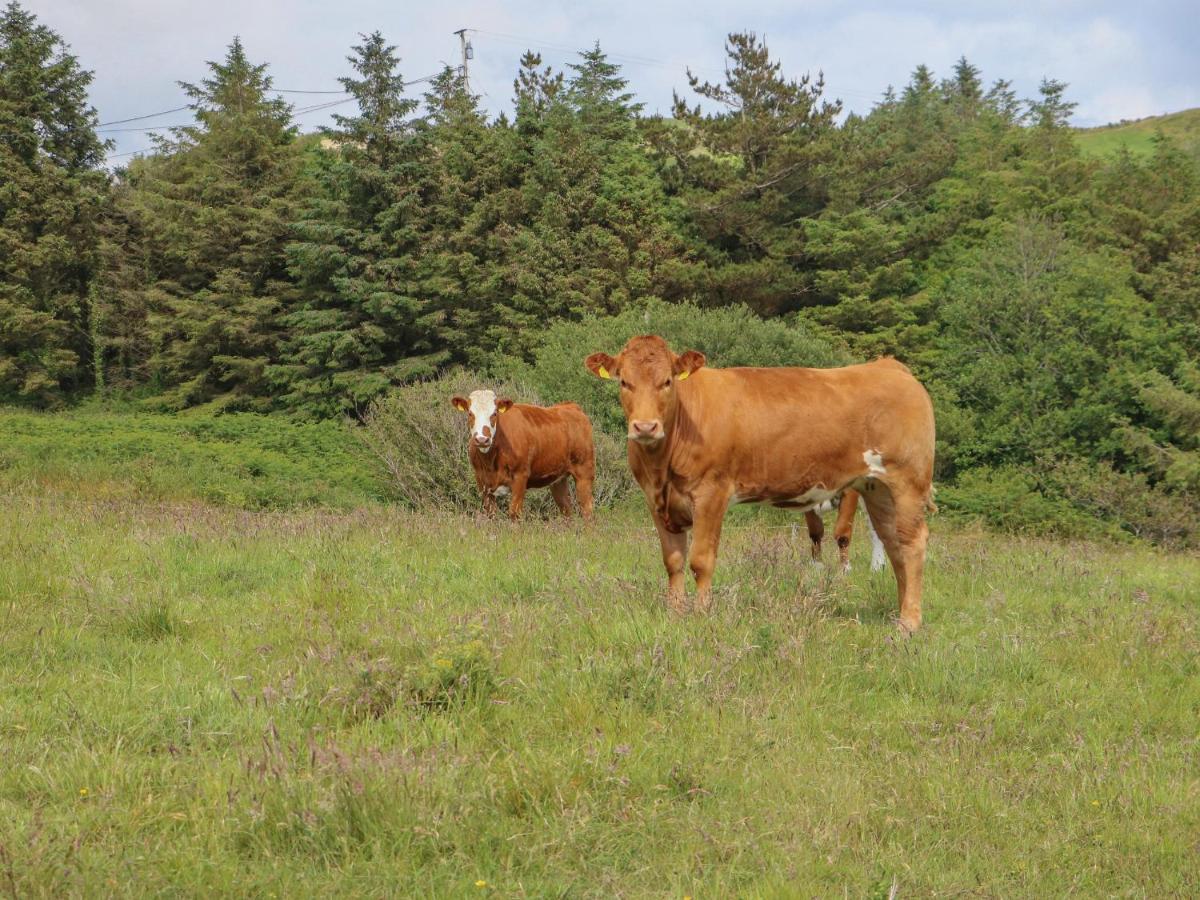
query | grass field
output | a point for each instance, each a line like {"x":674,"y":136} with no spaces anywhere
{"x":1138,"y":136}
{"x":205,"y":699}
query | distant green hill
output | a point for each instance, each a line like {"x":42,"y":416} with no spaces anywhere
{"x":1138,"y":136}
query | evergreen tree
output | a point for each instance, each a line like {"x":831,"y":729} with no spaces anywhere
{"x":534,"y":90}
{"x":754,"y":173}
{"x":215,"y":208}
{"x":51,"y":192}
{"x":587,"y":229}
{"x":362,"y":324}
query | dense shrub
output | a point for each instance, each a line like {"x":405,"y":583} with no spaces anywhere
{"x":1009,"y":499}
{"x":1073,"y":498}
{"x":730,"y":336}
{"x":422,"y":442}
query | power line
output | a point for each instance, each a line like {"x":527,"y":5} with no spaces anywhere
{"x":147,"y":116}
{"x":151,"y":128}
{"x":128,"y":153}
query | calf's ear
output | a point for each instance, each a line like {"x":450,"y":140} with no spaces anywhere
{"x":460,"y":403}
{"x":503,"y":405}
{"x":688,"y":362}
{"x":601,"y":365}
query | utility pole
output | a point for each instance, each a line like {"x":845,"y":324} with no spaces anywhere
{"x":468,"y":52}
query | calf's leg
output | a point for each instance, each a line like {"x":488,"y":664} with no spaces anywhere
{"x":583,"y":493}
{"x":561,"y":492}
{"x":816,"y":531}
{"x":843,"y":530}
{"x":516,"y":503}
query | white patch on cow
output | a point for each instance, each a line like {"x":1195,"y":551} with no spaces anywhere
{"x":503,"y":491}
{"x":878,"y":555}
{"x":874,"y":463}
{"x":811,"y":499}
{"x":483,"y":405}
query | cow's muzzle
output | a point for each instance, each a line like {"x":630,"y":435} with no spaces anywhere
{"x":648,"y":431}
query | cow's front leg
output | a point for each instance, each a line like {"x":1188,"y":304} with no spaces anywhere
{"x":516,"y":502}
{"x":708,"y":515}
{"x":674,"y":555}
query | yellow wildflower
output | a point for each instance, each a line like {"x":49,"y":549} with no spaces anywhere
{"x":83,"y":792}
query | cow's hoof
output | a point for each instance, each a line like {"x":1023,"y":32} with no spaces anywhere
{"x":817,"y":564}
{"x":845,"y":568}
{"x":907,"y":627}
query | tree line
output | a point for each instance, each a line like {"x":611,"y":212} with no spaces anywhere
{"x":1050,"y":302}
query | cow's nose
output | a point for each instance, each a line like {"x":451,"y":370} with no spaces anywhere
{"x":646,"y":427}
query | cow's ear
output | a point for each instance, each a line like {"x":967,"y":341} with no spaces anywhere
{"x":460,"y":403}
{"x":688,"y":362}
{"x":503,"y":405}
{"x":601,"y":365}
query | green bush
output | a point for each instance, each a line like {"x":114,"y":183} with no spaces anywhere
{"x":421,"y":440}
{"x":1009,"y":499}
{"x":1073,"y":498}
{"x":728,"y":336}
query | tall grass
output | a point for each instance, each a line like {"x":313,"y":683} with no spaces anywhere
{"x":245,"y":460}
{"x":197,"y":700}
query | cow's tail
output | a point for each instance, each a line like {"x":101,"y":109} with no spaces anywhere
{"x":930,"y":506}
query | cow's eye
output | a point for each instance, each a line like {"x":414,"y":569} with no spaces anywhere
{"x":667,"y":383}
{"x":624,"y":385}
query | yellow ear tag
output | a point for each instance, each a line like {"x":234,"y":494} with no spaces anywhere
{"x":683,"y":375}
{"x":603,"y":372}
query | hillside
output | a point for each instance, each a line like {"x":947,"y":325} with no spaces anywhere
{"x":1138,"y":136}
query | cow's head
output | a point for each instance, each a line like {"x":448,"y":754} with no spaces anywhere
{"x":482,"y":409}
{"x":647,"y":372}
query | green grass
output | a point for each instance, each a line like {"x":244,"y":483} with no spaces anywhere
{"x":201,"y":700}
{"x":1138,"y":136}
{"x":244,"y":460}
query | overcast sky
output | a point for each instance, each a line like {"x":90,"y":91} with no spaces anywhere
{"x":1122,"y":60}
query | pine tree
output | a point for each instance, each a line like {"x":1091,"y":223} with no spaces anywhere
{"x":755,"y":174}
{"x":51,"y":192}
{"x":215,"y":208}
{"x":534,"y":90}
{"x":362,"y":324}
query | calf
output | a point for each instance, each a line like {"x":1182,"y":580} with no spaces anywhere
{"x":515,"y":446}
{"x":700,"y":439}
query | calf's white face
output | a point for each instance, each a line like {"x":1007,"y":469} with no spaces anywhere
{"x":482,"y":409}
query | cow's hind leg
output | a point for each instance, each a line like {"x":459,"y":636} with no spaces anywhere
{"x":583,"y":493}
{"x":561,"y":492}
{"x":816,"y":531}
{"x":898,"y":514}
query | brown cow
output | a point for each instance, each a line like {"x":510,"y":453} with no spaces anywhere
{"x":843,"y":530}
{"x":515,"y":446}
{"x":791,"y":437}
